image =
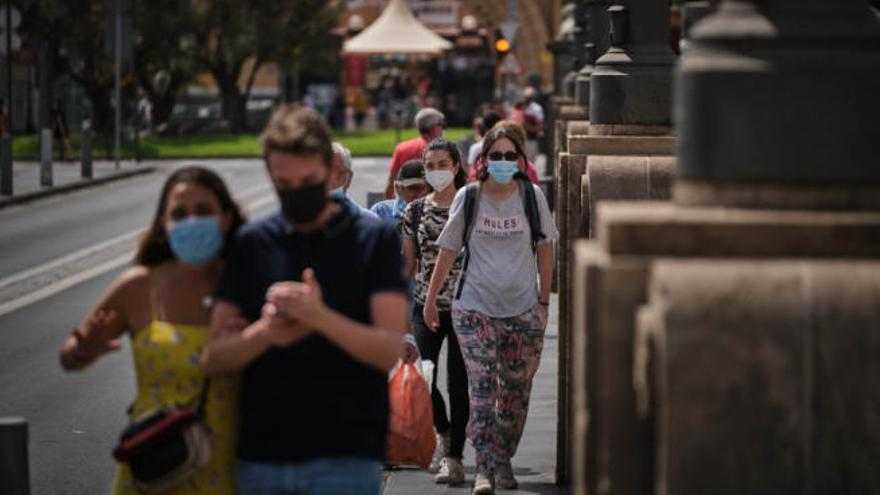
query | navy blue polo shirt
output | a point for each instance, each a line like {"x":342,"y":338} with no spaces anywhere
{"x":311,"y":399}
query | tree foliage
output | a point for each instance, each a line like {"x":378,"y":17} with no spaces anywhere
{"x":229,"y":32}
{"x":179,"y":39}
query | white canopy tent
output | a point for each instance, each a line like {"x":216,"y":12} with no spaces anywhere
{"x":396,"y":31}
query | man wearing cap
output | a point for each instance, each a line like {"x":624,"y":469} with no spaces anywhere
{"x":341,"y":181}
{"x":430,"y":123}
{"x":409,"y":186}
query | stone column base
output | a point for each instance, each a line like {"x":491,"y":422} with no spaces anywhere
{"x":614,"y":442}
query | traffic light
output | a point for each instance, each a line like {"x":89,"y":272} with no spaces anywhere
{"x":502,"y":45}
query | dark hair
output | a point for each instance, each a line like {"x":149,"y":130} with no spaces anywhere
{"x":489,"y":120}
{"x":297,"y":130}
{"x":500,"y":131}
{"x":454,"y":153}
{"x":154,"y":248}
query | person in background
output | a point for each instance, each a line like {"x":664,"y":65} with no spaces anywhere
{"x":489,"y":121}
{"x":465,"y":143}
{"x":409,"y":186}
{"x":323,"y":297}
{"x":533,"y":123}
{"x":341,"y":177}
{"x":163,"y":304}
{"x":430,"y":123}
{"x":525,"y":165}
{"x":423,"y":221}
{"x":500,"y":309}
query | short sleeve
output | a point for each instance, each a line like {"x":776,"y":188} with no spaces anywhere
{"x":548,"y":224}
{"x":396,"y":162}
{"x":386,"y":267}
{"x":451,"y":237}
{"x":232,"y":287}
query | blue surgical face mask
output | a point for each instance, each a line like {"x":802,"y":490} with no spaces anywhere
{"x":338,"y":193}
{"x":502,"y":171}
{"x":195,"y":240}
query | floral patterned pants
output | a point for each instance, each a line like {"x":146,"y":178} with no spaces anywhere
{"x":501,"y":356}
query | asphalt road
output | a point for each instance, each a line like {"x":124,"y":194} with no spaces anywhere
{"x":56,"y":257}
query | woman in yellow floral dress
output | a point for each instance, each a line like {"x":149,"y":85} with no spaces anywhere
{"x":163,"y":303}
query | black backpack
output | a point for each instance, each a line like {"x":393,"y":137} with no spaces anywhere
{"x":472,"y":199}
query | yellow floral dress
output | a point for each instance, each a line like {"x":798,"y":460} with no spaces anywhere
{"x":166,"y":360}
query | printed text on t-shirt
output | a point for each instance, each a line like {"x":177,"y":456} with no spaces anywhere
{"x":501,"y":226}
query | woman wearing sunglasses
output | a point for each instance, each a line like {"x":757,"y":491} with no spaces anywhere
{"x":423,"y":221}
{"x":523,"y":164}
{"x":500,"y":308}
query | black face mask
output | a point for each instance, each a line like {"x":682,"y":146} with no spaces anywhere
{"x":304,"y":204}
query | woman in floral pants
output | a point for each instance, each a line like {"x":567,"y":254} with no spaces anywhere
{"x":500,"y":311}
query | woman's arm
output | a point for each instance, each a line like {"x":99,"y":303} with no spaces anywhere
{"x":445,"y":260}
{"x":545,"y":271}
{"x":409,"y":257}
{"x":103,"y":325}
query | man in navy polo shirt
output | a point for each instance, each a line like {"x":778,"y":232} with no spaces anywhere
{"x":323,"y":299}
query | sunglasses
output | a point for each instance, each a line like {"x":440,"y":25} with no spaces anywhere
{"x":510,"y":156}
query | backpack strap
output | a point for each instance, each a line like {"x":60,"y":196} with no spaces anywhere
{"x":418,"y":207}
{"x":530,"y":206}
{"x":471,"y":204}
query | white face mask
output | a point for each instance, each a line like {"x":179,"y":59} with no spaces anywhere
{"x":439,"y":179}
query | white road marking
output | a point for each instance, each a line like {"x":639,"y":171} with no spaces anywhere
{"x":79,"y":277}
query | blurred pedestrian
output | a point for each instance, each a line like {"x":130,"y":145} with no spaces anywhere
{"x":533,"y":123}
{"x":341,"y":177}
{"x":430,"y":123}
{"x":504,"y":227}
{"x":465,"y":143}
{"x":489,"y":121}
{"x":59,"y":131}
{"x":323,"y":295}
{"x":4,"y":118}
{"x":409,"y":186}
{"x":423,"y":221}
{"x":162,"y":304}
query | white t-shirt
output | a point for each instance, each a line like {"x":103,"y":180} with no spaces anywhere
{"x":502,"y":274}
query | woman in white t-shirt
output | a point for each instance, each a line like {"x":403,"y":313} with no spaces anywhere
{"x":500,"y":309}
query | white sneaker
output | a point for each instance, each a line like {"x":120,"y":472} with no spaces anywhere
{"x":504,"y":476}
{"x":483,"y":485}
{"x":440,"y":451}
{"x":451,"y":471}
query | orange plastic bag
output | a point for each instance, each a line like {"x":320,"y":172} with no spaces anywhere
{"x":411,"y":438}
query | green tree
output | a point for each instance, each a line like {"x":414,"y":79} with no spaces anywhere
{"x":164,"y":51}
{"x":229,"y":32}
{"x":72,"y":32}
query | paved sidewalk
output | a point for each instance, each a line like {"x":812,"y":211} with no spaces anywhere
{"x":66,"y":176}
{"x":534,"y":463}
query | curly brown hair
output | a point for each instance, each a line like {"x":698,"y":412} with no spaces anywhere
{"x":297,"y":130}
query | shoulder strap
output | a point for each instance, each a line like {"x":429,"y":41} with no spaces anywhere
{"x":203,"y":398}
{"x":530,"y":206}
{"x":471,"y":205}
{"x":418,"y":207}
{"x":471,"y":202}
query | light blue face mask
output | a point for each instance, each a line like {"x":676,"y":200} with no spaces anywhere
{"x":338,"y":193}
{"x":401,"y":206}
{"x":502,"y":170}
{"x":195,"y":240}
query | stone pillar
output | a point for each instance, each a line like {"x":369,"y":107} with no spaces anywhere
{"x":728,"y":337}
{"x":579,"y":41}
{"x":632,"y":81}
{"x":598,"y":42}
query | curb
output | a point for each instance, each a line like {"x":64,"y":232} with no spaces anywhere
{"x":73,"y":186}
